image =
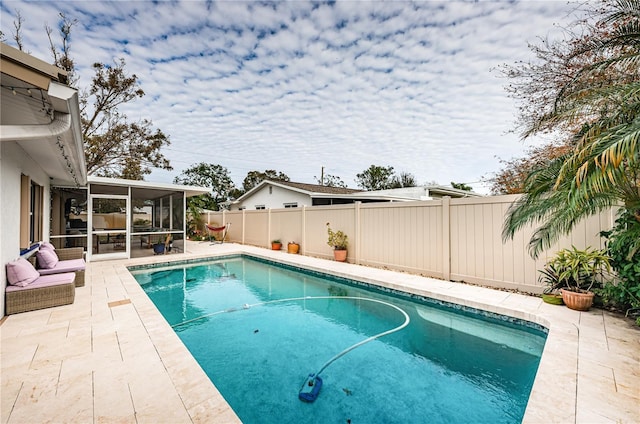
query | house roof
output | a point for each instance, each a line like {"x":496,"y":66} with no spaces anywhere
{"x":31,"y":69}
{"x":42,"y":115}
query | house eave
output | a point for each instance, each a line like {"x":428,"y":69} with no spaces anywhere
{"x":42,"y":116}
{"x":188,"y":189}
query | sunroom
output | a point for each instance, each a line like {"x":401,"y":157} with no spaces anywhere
{"x":116,"y":219}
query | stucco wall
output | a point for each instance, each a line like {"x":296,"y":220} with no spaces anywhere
{"x":274,"y":199}
{"x":14,"y":162}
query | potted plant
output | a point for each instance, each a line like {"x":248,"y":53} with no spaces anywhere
{"x":575,"y":272}
{"x":276,"y":244}
{"x":549,"y":276}
{"x":293,"y":247}
{"x":339,"y":241}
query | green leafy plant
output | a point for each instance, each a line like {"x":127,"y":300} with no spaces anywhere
{"x":337,"y":239}
{"x":276,"y":241}
{"x":195,"y":223}
{"x":550,"y":277}
{"x":623,"y":246}
{"x":575,"y":270}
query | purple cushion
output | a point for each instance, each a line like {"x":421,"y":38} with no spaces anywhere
{"x":47,"y":245}
{"x":46,"y":281}
{"x":71,"y":265}
{"x":47,"y":258}
{"x":21,"y":273}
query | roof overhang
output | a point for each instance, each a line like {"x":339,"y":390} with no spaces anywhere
{"x":42,"y":116}
{"x":118,"y":182}
{"x":450,"y":191}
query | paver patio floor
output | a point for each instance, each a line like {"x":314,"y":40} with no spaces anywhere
{"x":111,"y":357}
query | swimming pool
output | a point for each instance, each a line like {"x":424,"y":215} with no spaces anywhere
{"x":446,"y":366}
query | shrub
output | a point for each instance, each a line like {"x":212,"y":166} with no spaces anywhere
{"x":624,"y":249}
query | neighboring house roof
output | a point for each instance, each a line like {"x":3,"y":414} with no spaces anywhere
{"x":312,"y":190}
{"x":450,"y":191}
{"x":319,"y":189}
{"x":406,"y":194}
{"x":423,"y":192}
{"x":41,"y":113}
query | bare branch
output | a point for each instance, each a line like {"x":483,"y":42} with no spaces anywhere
{"x":17,"y":36}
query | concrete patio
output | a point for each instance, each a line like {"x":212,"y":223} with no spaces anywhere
{"x":111,"y":356}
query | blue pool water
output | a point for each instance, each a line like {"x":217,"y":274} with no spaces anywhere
{"x":446,"y":366}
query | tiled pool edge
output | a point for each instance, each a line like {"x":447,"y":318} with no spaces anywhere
{"x":201,"y":398}
{"x":373,"y":286}
{"x":554,"y":395}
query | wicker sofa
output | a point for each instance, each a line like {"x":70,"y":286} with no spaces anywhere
{"x":71,"y":260}
{"x":46,"y":291}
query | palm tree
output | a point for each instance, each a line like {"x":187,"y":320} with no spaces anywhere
{"x":603,"y":167}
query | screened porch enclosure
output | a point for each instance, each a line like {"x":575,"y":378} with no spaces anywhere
{"x":118,"y":221}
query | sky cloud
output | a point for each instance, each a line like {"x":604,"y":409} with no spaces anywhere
{"x":296,"y":86}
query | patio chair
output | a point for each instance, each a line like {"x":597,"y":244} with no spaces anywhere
{"x":49,"y":260}
{"x":28,"y":290}
{"x":224,"y":229}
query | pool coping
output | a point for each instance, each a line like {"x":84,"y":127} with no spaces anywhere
{"x":375,"y":286}
{"x":588,"y":371}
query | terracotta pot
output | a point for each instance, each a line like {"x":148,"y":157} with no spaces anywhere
{"x":576,"y":300}
{"x":340,"y":255}
{"x":293,"y":247}
{"x":276,"y":246}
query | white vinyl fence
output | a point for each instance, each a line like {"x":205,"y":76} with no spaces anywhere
{"x":450,"y":239}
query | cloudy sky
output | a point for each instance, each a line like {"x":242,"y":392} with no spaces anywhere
{"x":297,"y":86}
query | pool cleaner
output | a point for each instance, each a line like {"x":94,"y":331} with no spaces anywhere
{"x":311,"y":388}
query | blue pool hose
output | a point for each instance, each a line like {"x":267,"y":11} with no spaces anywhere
{"x":315,"y":376}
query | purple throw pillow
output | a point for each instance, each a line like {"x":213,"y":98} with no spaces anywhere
{"x":47,"y":258}
{"x":47,"y":245}
{"x":21,"y":273}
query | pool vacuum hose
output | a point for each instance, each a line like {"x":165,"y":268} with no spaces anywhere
{"x":313,"y":383}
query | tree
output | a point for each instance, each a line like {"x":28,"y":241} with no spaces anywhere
{"x":330,"y":181}
{"x":62,"y":57}
{"x":254,"y":178}
{"x":207,"y":175}
{"x":114,"y":146}
{"x":587,"y":90}
{"x":405,"y":179}
{"x":510,"y":179}
{"x":375,"y":178}
{"x":461,"y":186}
{"x":17,"y":35}
{"x":383,"y":178}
